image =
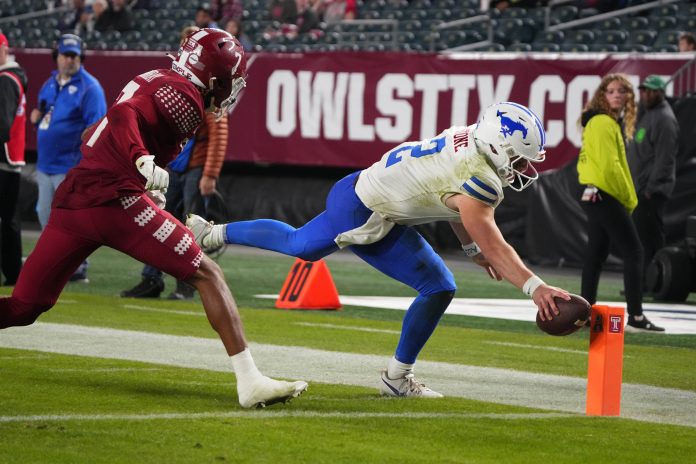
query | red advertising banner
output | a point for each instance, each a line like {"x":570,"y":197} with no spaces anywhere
{"x":347,"y":109}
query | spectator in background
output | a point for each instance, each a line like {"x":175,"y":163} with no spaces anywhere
{"x":117,"y":17}
{"x":69,"y":101}
{"x":192,"y":176}
{"x":235,"y":27}
{"x":73,"y":21}
{"x":687,"y":42}
{"x":609,"y":196}
{"x":308,"y":16}
{"x":13,"y":118}
{"x":333,"y":11}
{"x":224,"y":10}
{"x":283,"y":11}
{"x":204,"y":17}
{"x":652,"y":159}
{"x":92,"y":18}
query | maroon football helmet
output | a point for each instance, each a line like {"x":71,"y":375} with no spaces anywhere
{"x":214,"y":61}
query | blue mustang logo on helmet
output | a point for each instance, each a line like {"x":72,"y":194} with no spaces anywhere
{"x":508,"y":126}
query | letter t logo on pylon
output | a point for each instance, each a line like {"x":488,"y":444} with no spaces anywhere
{"x":308,"y":286}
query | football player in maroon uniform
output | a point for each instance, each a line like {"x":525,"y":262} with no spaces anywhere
{"x":113,"y":198}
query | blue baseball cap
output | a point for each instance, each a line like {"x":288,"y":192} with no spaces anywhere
{"x":70,"y":43}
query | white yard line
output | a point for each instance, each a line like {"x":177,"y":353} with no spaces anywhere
{"x":505,"y":386}
{"x":160,"y":310}
{"x":281,"y":414}
{"x":347,"y":327}
{"x":536,"y":347}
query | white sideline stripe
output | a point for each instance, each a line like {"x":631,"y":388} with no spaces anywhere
{"x":675,"y":318}
{"x":62,"y":301}
{"x":108,"y":369}
{"x":537,"y":347}
{"x":504,"y":386}
{"x":160,"y":310}
{"x":265,"y":415}
{"x":346,"y":327}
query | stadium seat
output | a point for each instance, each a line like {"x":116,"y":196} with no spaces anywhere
{"x":505,"y":28}
{"x":634,"y":47}
{"x":579,"y":36}
{"x":493,"y":47}
{"x":131,"y":36}
{"x":667,"y":38}
{"x":687,"y":9}
{"x":666,"y":48}
{"x":636,"y":23}
{"x":519,"y":47}
{"x":609,"y":24}
{"x":565,"y":13}
{"x":546,"y":47}
{"x":665,"y":10}
{"x":662,"y":23}
{"x":513,"y":12}
{"x":617,"y":37}
{"x":604,"y":47}
{"x":550,"y":37}
{"x":587,"y":12}
{"x":574,"y":47}
{"x":443,"y":15}
{"x":687,"y":23}
{"x":645,"y":37}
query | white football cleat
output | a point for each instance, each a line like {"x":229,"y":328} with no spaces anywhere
{"x":406,"y":386}
{"x":265,"y":391}
{"x":207,"y":235}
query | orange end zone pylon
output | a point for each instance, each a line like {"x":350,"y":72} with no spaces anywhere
{"x":605,"y":364}
{"x":308,"y":286}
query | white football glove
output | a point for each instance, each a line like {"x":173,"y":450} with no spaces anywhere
{"x":157,"y":198}
{"x":157,"y":178}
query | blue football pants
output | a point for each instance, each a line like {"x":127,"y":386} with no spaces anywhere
{"x":403,"y":254}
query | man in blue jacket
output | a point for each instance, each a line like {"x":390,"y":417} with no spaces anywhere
{"x":69,"y":101}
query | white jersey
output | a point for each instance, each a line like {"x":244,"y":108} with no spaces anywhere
{"x":411,"y":183}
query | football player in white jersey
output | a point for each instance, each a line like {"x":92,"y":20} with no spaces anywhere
{"x":457,"y":176}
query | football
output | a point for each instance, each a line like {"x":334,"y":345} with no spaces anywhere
{"x":574,"y":313}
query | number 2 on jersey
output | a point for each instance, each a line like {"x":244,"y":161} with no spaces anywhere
{"x":428,"y":147}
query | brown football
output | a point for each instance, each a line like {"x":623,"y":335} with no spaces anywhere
{"x":574,"y":313}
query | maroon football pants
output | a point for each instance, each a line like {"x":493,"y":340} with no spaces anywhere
{"x":133,"y":225}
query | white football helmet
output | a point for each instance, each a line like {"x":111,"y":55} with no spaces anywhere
{"x":513,"y":138}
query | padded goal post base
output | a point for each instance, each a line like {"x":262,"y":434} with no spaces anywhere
{"x":308,"y":286}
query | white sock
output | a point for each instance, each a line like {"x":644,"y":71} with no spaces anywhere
{"x":216,"y":237}
{"x":244,"y":367}
{"x":397,"y":369}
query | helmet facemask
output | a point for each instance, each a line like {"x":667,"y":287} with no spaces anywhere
{"x":222,"y":97}
{"x":512,"y":137}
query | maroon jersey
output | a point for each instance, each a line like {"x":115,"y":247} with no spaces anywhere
{"x":154,"y":115}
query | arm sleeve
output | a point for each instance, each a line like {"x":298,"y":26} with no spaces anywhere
{"x":125,"y":134}
{"x":178,"y":109}
{"x":666,"y":146}
{"x":9,"y":95}
{"x":94,"y":105}
{"x":217,"y":145}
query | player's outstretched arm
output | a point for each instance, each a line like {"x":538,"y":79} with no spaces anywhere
{"x":479,"y":224}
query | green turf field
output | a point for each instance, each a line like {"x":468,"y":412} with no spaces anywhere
{"x":60,"y":408}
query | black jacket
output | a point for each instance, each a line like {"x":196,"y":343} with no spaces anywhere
{"x":9,"y":96}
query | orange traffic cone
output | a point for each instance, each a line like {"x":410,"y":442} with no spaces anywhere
{"x":308,"y":286}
